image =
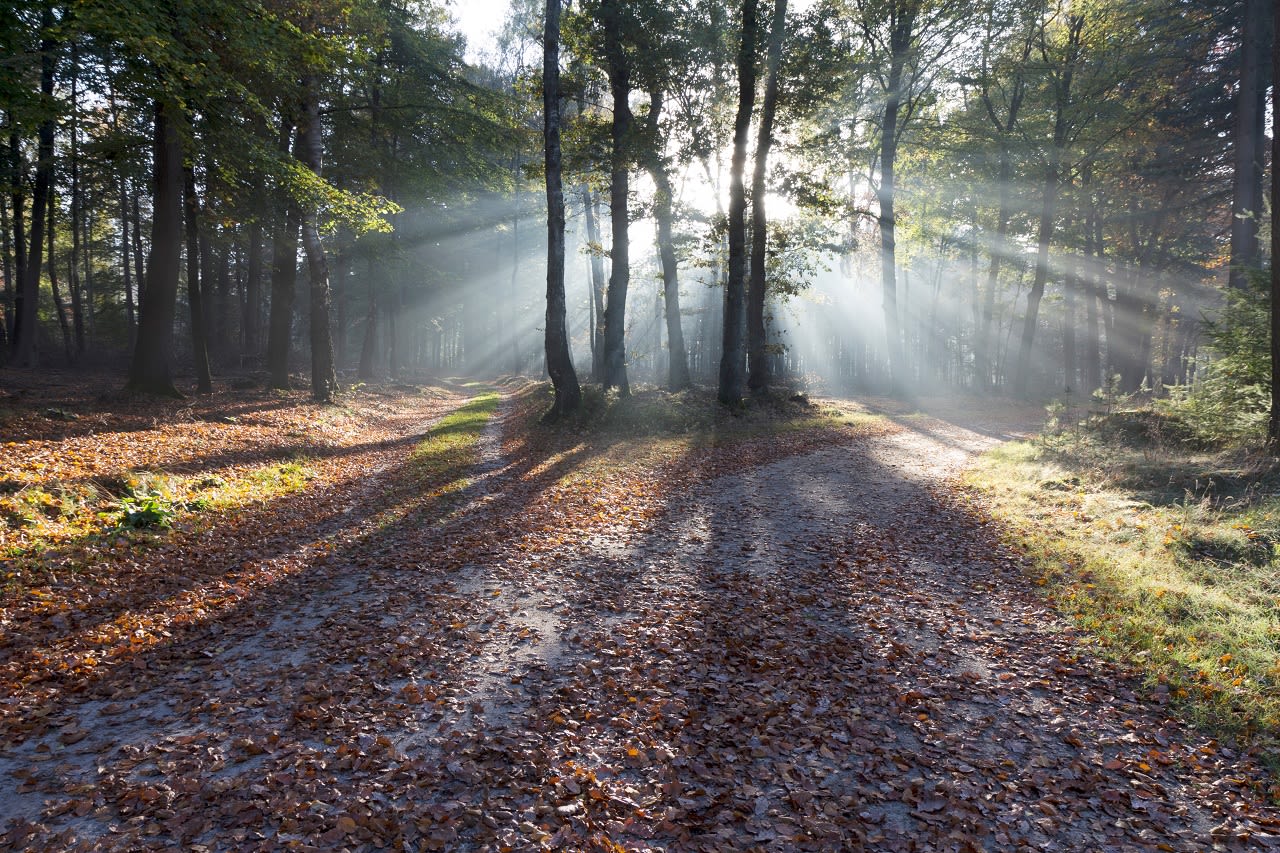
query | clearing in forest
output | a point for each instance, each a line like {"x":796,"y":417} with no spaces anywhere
{"x":658,"y":627}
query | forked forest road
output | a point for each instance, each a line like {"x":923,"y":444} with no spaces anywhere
{"x":818,"y":653}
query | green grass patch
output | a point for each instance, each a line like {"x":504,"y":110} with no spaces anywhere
{"x":36,"y":519}
{"x":443,"y":460}
{"x":1165,"y":553}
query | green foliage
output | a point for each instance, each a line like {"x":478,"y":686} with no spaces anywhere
{"x":145,"y":510}
{"x":1230,"y":401}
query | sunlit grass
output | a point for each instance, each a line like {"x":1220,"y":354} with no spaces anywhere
{"x":1167,"y":557}
{"x":443,"y":460}
{"x":47,"y":516}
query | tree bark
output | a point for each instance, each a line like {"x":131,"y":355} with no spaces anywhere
{"x":615,"y":313}
{"x":59,"y":307}
{"x":284,"y":280}
{"x":757,"y":350}
{"x":77,"y":207}
{"x":901,"y":36}
{"x":25,"y":326}
{"x":253,"y":291}
{"x":324,"y":378}
{"x":1273,"y":430}
{"x":597,"y":283}
{"x":1048,"y":207}
{"x":369,"y":346}
{"x":151,"y":369}
{"x":1248,"y":154}
{"x":564,"y":379}
{"x":733,"y":356}
{"x":199,"y":340}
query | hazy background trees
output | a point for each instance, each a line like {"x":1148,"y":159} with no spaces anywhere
{"x":1040,"y":199}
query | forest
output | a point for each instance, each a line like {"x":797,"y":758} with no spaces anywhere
{"x":1018,"y":198}
{"x":639,"y":425}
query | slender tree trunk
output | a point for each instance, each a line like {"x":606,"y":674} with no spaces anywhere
{"x":900,"y":43}
{"x":17,"y":201}
{"x":369,"y":346}
{"x":199,"y":342}
{"x":1250,"y":113}
{"x":77,"y":206}
{"x":25,"y":328}
{"x":615,"y":313}
{"x":733,"y":357}
{"x":284,"y":280}
{"x":559,"y":361}
{"x":151,"y":369}
{"x":597,"y":284}
{"x":139,"y":271}
{"x":678,"y":357}
{"x":324,"y":378}
{"x":253,"y":291}
{"x":1044,"y":237}
{"x":1273,"y":431}
{"x":986,"y":342}
{"x":341,"y":298}
{"x":757,"y":351}
{"x":126,"y":266}
{"x":59,"y":307}
{"x":6,"y":296}
{"x":1049,"y":201}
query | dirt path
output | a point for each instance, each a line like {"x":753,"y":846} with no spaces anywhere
{"x":814,"y":654}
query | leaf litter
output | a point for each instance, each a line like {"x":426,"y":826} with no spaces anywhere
{"x":789,"y":642}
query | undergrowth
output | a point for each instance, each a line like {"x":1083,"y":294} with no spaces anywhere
{"x":1163,"y":545}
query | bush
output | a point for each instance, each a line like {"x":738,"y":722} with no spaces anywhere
{"x":146,"y":510}
{"x":1229,"y":403}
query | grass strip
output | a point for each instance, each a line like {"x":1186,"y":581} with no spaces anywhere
{"x":1166,"y":558}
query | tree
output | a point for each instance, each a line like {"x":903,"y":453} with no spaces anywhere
{"x":733,"y":358}
{"x":1250,"y":114}
{"x":150,"y":371}
{"x":27,"y":299}
{"x":757,"y":357}
{"x":618,"y":66}
{"x":559,"y":361}
{"x":1273,"y":430}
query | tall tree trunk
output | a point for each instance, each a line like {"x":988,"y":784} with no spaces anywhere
{"x":1248,"y":154}
{"x":199,"y":341}
{"x":324,"y":378}
{"x":139,"y":271}
{"x":369,"y":346}
{"x":17,"y":201}
{"x":341,"y":299}
{"x":615,"y":313}
{"x":678,"y":357}
{"x":1273,"y":430}
{"x":757,"y":352}
{"x":284,"y":280}
{"x":733,"y":357}
{"x":1044,"y":237}
{"x":130,"y":303}
{"x":564,"y":379}
{"x":25,"y":327}
{"x":1048,"y":207}
{"x":151,"y":369}
{"x":59,"y":307}
{"x":900,"y":40}
{"x":986,"y":342}
{"x":6,"y":269}
{"x":77,"y":206}
{"x":253,"y":291}
{"x":663,"y":214}
{"x":596,"y":266}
